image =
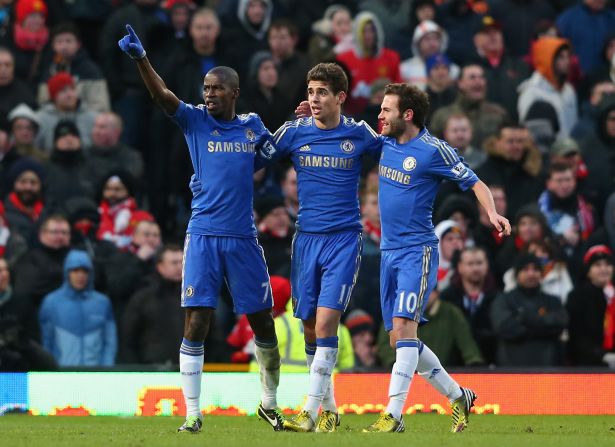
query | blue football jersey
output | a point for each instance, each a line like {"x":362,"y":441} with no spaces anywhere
{"x":328,"y":165}
{"x":223,"y":157}
{"x":410,"y":175}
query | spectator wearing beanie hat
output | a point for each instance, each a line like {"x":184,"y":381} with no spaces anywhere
{"x":65,"y":104}
{"x":591,"y":306}
{"x":67,"y":174}
{"x":440,"y":84}
{"x":118,"y":209}
{"x":274,"y":233}
{"x":24,"y":203}
{"x":451,"y":238}
{"x":24,"y":127}
{"x":528,"y":322}
{"x":30,"y":35}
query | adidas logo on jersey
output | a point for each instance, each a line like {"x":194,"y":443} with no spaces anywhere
{"x":215,"y":133}
{"x":305,"y":148}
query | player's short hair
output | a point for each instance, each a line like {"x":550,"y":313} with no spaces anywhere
{"x":557,"y":168}
{"x":166,"y":248}
{"x":413,"y":98}
{"x":287,"y":24}
{"x":229,"y":75}
{"x":330,"y":73}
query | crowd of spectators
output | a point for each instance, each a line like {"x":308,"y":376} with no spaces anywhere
{"x":94,"y":178}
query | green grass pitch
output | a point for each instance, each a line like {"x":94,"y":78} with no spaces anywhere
{"x":424,"y":430}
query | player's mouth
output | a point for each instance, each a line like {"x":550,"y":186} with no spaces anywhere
{"x":211,"y":104}
{"x":316,"y":110}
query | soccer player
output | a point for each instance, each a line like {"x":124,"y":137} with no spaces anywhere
{"x":221,"y":242}
{"x":326,"y":151}
{"x":412,"y":166}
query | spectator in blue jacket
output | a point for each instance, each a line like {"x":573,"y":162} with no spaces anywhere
{"x":77,"y":324}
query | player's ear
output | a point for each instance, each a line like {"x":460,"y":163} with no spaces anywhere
{"x":341,"y":97}
{"x":236,"y":93}
{"x":408,"y":114}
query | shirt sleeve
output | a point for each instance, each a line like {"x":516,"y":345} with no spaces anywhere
{"x":448,"y":165}
{"x":184,"y":116}
{"x":272,"y":148}
{"x":373,"y":141}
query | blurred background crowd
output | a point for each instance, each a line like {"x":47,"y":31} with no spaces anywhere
{"x":94,"y":178}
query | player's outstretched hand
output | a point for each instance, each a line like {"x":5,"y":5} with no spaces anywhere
{"x":303,"y":110}
{"x":501,"y":224}
{"x":131,"y":45}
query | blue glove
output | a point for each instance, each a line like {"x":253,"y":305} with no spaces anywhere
{"x":131,"y":45}
{"x":194,"y":185}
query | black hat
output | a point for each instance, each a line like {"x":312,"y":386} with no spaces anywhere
{"x":19,"y":167}
{"x":525,"y":259}
{"x":78,"y":208}
{"x":65,"y":127}
{"x":124,"y":176}
{"x":266,"y":204}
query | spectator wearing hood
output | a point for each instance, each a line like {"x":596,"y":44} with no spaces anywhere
{"x":247,"y":34}
{"x":67,"y":55}
{"x":65,"y":105}
{"x":77,"y":324}
{"x":265,"y":96}
{"x":529,"y":226}
{"x":528,"y":323}
{"x":599,"y":153}
{"x":292,"y":65}
{"x":451,"y":241}
{"x":514,"y":163}
{"x":67,"y":174}
{"x":30,"y":35}
{"x":152,"y":319}
{"x":24,"y":127}
{"x":428,"y":40}
{"x":591,"y":306}
{"x":486,"y":117}
{"x":587,"y":25}
{"x":547,"y":100}
{"x":503,"y":72}
{"x":39,"y":270}
{"x":275,"y":233}
{"x":24,"y":203}
{"x":13,"y":91}
{"x":393,"y":16}
{"x":332,"y":34}
{"x":368,"y":61}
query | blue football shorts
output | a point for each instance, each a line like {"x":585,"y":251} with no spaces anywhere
{"x":407,"y":277}
{"x":209,"y":260}
{"x":324,"y":270}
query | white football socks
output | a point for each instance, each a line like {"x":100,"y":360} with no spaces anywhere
{"x":328,"y":402}
{"x":191,"y":355}
{"x":320,"y":374}
{"x":268,"y":358}
{"x":406,"y":359}
{"x":430,"y":368}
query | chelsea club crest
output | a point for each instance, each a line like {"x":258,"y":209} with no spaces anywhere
{"x":409,"y":163}
{"x":250,"y":134}
{"x":347,"y":146}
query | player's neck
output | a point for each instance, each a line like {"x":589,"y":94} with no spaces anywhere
{"x":410,"y":133}
{"x":329,"y":123}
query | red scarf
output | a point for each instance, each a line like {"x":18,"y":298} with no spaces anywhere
{"x":372,"y":231}
{"x":30,"y":40}
{"x":33,"y":213}
{"x":608,"y":342}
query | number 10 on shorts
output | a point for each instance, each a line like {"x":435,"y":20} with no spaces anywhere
{"x":407,"y":302}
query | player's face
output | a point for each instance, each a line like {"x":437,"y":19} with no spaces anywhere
{"x":562,"y":184}
{"x":218,"y":95}
{"x":323,"y":103}
{"x":600,"y":273}
{"x":393,"y":124}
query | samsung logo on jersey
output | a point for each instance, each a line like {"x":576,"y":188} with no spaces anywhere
{"x":218,"y":146}
{"x":394,"y":174}
{"x":318,"y":161}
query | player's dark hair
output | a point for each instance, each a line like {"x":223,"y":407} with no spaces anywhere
{"x":166,"y":248}
{"x":410,"y":98}
{"x":558,"y":167}
{"x":330,"y":73}
{"x":229,"y":75}
{"x":285,"y":23}
{"x":65,"y":27}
